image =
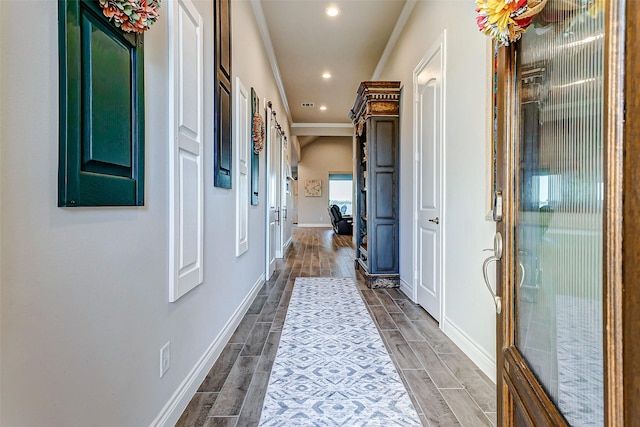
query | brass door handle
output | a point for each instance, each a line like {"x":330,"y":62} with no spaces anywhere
{"x":435,"y":220}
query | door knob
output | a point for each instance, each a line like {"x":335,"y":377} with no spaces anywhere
{"x":435,"y":220}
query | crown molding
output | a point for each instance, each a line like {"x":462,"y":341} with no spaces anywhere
{"x":393,"y":38}
{"x":261,"y":22}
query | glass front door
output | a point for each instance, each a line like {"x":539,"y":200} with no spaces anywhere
{"x":556,"y":283}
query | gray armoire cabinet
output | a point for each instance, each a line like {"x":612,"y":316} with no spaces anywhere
{"x":375,"y":115}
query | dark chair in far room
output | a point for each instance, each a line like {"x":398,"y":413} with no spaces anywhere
{"x":341,"y":225}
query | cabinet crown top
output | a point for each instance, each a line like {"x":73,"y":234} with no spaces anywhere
{"x":376,"y":98}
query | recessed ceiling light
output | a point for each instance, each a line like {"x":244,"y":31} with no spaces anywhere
{"x":326,"y":75}
{"x":332,"y":11}
{"x":322,"y":108}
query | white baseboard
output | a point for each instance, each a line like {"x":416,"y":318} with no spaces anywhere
{"x":173,"y":409}
{"x":484,"y":360}
{"x":407,"y":289}
{"x":315,"y":225}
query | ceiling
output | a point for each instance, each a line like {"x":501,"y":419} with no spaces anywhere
{"x":303,"y":42}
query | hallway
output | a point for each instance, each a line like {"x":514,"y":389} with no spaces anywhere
{"x":446,"y":388}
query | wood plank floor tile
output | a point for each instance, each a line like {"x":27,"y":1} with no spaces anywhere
{"x":263,"y":289}
{"x":438,"y":341}
{"x":231,"y":397}
{"x":411,"y":310}
{"x":405,"y":326}
{"x":222,"y":422}
{"x":255,"y":342}
{"x":369,"y":297}
{"x":414,"y":402}
{"x":196,"y":412}
{"x":388,"y":303}
{"x":257,"y":304}
{"x":438,"y":371}
{"x":396,"y":294}
{"x":278,"y":320}
{"x":433,"y":405}
{"x":479,"y":386}
{"x":269,"y":310}
{"x":403,"y":354}
{"x":269,"y":352}
{"x":464,"y":408}
{"x":250,"y":415}
{"x":220,"y":371}
{"x":244,"y":328}
{"x":382,"y":318}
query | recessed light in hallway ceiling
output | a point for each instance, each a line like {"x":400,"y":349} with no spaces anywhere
{"x":308,"y":43}
{"x":332,"y":11}
{"x":326,"y":75}
{"x":323,"y":108}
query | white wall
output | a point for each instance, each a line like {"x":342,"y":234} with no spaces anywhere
{"x":469,"y":316}
{"x":323,"y":156}
{"x":2,"y":49}
{"x":84,"y":306}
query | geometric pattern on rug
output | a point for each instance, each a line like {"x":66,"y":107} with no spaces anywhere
{"x":331,"y":367}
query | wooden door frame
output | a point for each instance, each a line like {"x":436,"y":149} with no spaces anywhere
{"x":621,"y":242}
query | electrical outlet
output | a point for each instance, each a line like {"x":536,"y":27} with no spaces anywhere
{"x":321,"y":218}
{"x":165,"y":358}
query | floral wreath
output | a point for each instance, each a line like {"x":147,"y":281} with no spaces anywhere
{"x":257,"y":133}
{"x":131,"y":15}
{"x":506,"y":20}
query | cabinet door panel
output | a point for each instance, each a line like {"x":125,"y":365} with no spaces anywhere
{"x":385,"y":146}
{"x":385,"y":195}
{"x":385,"y":257}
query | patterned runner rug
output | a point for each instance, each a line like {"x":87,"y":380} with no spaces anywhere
{"x":332,"y":368}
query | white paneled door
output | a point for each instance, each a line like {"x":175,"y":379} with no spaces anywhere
{"x":185,"y":157}
{"x":273,"y":193}
{"x":428,"y":95}
{"x":242,"y":136}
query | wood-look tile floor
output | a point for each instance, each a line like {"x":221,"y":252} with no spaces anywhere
{"x":446,"y":388}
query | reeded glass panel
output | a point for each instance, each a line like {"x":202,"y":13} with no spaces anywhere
{"x":559,"y":228}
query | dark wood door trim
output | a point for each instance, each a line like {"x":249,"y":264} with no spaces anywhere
{"x":613,"y":304}
{"x":528,"y":393}
{"x":621,"y":252}
{"x":622,"y":216}
{"x":506,"y":134}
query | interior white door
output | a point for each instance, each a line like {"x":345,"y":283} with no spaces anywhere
{"x":279,"y":191}
{"x":273,"y":195}
{"x":428,"y":92}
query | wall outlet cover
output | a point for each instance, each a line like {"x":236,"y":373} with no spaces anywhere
{"x":165,"y":358}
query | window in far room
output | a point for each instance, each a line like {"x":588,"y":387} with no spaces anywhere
{"x":341,"y":191}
